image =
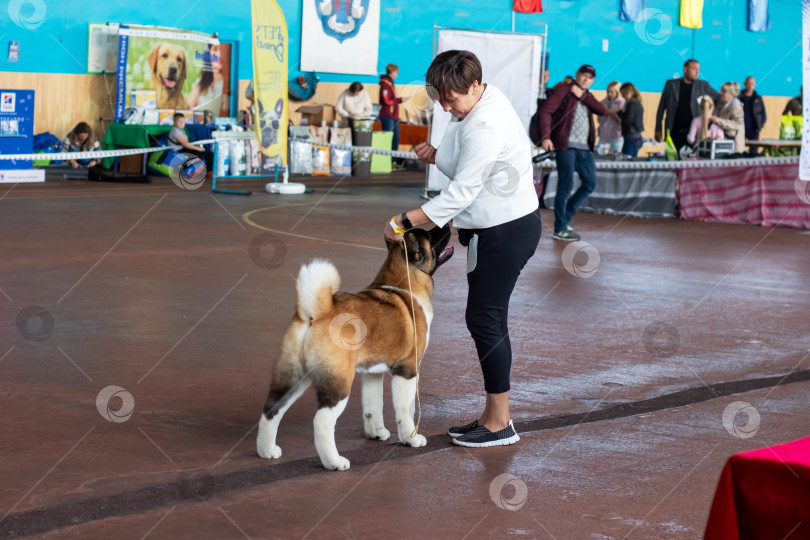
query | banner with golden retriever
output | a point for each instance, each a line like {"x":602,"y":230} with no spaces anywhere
{"x":270,"y":82}
{"x":185,"y":69}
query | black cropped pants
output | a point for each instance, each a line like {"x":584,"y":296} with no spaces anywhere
{"x":502,"y":252}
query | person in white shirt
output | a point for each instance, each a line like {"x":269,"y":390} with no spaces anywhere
{"x":353,"y":102}
{"x":491,"y":199}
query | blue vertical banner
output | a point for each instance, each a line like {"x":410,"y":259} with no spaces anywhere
{"x":16,"y":127}
{"x":121,"y":71}
{"x":758,"y":19}
{"x":631,"y":10}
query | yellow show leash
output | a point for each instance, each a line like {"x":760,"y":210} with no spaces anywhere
{"x":399,"y":230}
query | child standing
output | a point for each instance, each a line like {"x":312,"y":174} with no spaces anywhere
{"x":632,"y":120}
{"x":610,"y":131}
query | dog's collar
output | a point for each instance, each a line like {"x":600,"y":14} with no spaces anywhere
{"x":392,"y":288}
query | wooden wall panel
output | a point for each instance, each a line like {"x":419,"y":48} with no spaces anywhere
{"x":64,"y":100}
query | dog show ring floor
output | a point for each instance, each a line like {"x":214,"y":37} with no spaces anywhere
{"x":141,"y":323}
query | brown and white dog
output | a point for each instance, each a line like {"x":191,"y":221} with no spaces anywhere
{"x":335,"y":334}
{"x":167,"y":62}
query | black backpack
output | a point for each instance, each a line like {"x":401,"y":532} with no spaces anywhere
{"x":534,"y":124}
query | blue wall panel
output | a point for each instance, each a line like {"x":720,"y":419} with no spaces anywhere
{"x":645,"y":54}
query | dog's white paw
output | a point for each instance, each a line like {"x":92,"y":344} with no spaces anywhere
{"x":340,"y":464}
{"x":415,"y":441}
{"x":269,"y":451}
{"x":379,"y":434}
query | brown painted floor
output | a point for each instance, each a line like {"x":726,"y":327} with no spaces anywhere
{"x":619,"y":383}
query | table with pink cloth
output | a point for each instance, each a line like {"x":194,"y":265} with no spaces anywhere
{"x":768,"y":195}
{"x":763,"y":494}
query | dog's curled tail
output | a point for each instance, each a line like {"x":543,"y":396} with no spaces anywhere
{"x":317,"y":282}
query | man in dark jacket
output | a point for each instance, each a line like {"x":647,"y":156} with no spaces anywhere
{"x":566,"y":125}
{"x":754,"y":110}
{"x":679,"y":100}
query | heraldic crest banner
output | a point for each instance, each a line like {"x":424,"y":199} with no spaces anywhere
{"x":340,"y":36}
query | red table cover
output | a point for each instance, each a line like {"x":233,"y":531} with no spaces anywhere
{"x":761,"y":194}
{"x":763,"y":494}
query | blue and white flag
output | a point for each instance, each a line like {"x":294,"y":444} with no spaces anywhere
{"x":631,"y":10}
{"x":758,"y":19}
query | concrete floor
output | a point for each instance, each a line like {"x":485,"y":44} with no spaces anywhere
{"x":619,"y":384}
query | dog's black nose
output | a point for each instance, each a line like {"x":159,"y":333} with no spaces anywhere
{"x":172,"y":72}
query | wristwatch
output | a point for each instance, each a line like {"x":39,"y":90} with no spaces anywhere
{"x":406,"y":223}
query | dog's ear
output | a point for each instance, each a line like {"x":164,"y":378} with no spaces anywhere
{"x":183,"y":76}
{"x":152,"y":59}
{"x":279,"y":107}
{"x":414,"y":246}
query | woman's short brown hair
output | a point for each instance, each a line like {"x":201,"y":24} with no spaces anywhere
{"x":629,"y":91}
{"x":453,"y":71}
{"x":390,"y":68}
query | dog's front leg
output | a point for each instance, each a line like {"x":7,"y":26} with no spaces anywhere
{"x":403,"y":392}
{"x":373,"y":407}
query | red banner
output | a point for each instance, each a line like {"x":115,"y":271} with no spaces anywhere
{"x":528,"y":6}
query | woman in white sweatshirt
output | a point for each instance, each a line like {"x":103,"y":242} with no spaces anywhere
{"x":491,"y":199}
{"x":354,"y":102}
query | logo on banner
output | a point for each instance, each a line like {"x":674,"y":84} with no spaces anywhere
{"x":8,"y":102}
{"x":342,"y":19}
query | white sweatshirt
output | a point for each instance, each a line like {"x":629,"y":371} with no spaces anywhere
{"x":487,"y":157}
{"x":349,"y":106}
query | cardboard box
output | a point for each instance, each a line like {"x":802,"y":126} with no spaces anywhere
{"x":315,"y":115}
{"x":145,"y":98}
{"x":165,"y":117}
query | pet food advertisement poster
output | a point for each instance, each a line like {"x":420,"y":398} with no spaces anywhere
{"x":187,"y":70}
{"x":340,"y":36}
{"x":270,"y":82}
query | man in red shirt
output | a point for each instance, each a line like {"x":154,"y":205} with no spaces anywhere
{"x":389,"y":103}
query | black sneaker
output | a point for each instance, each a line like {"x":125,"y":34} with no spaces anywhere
{"x":458,"y":431}
{"x":482,"y":437}
{"x":566,"y":236}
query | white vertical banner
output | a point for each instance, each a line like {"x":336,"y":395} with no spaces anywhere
{"x":340,"y":36}
{"x":804,"y":162}
{"x":510,"y":62}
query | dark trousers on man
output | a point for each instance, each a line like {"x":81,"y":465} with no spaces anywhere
{"x":566,"y":205}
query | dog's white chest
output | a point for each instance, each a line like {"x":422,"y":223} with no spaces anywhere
{"x":376,"y":368}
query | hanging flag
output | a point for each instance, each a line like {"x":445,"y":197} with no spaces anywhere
{"x":270,"y":82}
{"x":758,"y":19}
{"x":528,"y":6}
{"x":692,"y":13}
{"x":631,"y":10}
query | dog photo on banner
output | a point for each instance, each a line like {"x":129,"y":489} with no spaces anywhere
{"x":340,"y":36}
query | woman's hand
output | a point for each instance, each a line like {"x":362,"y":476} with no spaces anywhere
{"x":547,"y":145}
{"x":390,"y":235}
{"x":426,"y":153}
